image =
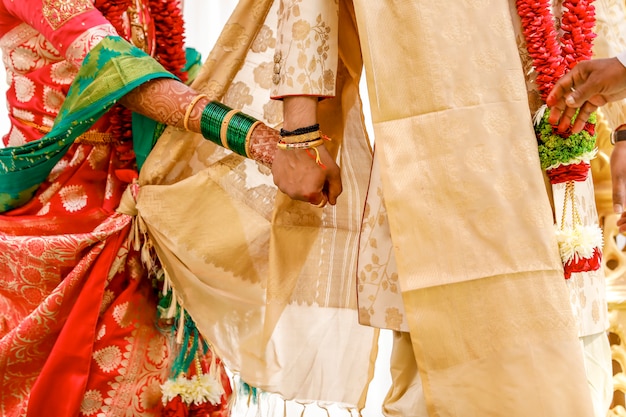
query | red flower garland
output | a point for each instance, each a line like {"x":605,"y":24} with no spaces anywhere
{"x":565,"y":173}
{"x":170,"y":35}
{"x":552,"y":55}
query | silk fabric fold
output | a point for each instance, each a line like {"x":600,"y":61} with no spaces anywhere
{"x":269,"y":281}
{"x":469,"y":216}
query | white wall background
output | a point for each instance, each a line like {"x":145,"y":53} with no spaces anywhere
{"x":204,"y":20}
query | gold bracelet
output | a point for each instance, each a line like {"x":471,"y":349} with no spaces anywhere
{"x":299,"y":145}
{"x":190,"y":107}
{"x":224,"y":127}
{"x":248,"y":136}
{"x":305,"y":137}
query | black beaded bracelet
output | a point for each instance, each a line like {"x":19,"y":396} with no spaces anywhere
{"x":300,"y":130}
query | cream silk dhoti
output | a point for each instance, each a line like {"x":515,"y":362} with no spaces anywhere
{"x":478,"y":267}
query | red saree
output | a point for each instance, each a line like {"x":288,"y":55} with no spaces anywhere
{"x":78,"y":314}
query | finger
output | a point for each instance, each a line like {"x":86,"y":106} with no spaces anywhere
{"x":555,"y":114}
{"x":621,"y":223}
{"x":561,"y":89}
{"x":322,"y":200}
{"x":583,"y":116}
{"x":582,"y":87}
{"x":566,"y":119}
{"x":333,"y":184}
{"x":334,"y":189}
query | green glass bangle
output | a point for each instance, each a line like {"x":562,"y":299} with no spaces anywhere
{"x":237,"y":132}
{"x":211,"y":121}
{"x":214,"y":115}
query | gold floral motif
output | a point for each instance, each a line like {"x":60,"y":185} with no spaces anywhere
{"x":57,"y":12}
{"x":393,"y":318}
{"x":52,"y":99}
{"x":73,"y":197}
{"x":233,"y":37}
{"x":364,"y":316}
{"x":379,"y":293}
{"x":108,"y":358}
{"x":273,"y":112}
{"x":300,"y":30}
{"x":238,"y":95}
{"x":92,"y":402}
{"x":263,"y":75}
{"x":329,"y":80}
{"x":264,"y":40}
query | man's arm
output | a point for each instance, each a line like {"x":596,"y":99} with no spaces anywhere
{"x":305,"y":72}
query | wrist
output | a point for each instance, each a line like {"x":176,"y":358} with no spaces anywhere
{"x":299,"y":111}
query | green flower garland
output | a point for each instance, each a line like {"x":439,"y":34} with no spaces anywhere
{"x":556,"y":150}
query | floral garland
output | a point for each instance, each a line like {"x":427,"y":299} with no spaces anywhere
{"x":564,"y":156}
{"x":170,"y":36}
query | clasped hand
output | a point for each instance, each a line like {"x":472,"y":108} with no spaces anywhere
{"x":295,"y":171}
{"x":298,"y":175}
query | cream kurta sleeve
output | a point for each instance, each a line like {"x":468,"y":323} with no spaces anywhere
{"x":305,"y":62}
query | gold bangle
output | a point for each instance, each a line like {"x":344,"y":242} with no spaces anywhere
{"x":305,"y":137}
{"x":190,"y":107}
{"x":249,"y":135}
{"x":224,"y":127}
{"x":299,"y":145}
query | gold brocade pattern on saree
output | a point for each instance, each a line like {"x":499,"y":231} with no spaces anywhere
{"x":95,"y":138}
{"x":57,"y":12}
{"x":295,"y":294}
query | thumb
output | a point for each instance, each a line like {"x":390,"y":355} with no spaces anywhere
{"x":333,"y":186}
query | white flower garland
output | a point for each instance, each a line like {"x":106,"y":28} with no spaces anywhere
{"x":194,"y":390}
{"x":578,"y":242}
